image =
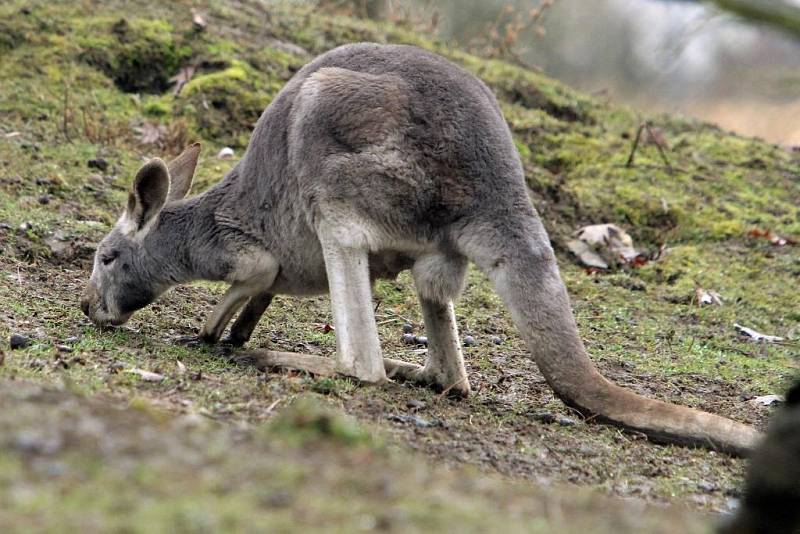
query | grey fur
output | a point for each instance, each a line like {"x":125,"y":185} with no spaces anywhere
{"x":394,"y":157}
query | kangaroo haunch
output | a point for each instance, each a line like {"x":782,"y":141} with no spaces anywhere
{"x":373,"y":159}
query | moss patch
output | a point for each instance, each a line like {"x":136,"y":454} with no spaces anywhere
{"x":139,"y":55}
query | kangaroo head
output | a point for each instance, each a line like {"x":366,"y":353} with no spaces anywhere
{"x":125,"y":278}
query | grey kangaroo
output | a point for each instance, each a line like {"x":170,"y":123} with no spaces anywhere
{"x":373,"y":159}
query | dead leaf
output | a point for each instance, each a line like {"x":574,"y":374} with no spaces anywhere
{"x":707,"y":297}
{"x":10,"y":135}
{"x":151,"y":133}
{"x":147,"y":376}
{"x":604,"y":246}
{"x":586,"y":254}
{"x":181,"y":367}
{"x":198,"y":21}
{"x":766,"y":400}
{"x":756,"y":336}
{"x":183,"y":77}
{"x":778,"y":241}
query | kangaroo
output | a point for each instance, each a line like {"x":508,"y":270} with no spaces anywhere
{"x":373,"y":159}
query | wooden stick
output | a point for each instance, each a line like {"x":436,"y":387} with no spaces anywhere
{"x":635,"y":145}
{"x":65,"y":124}
{"x":658,"y":146}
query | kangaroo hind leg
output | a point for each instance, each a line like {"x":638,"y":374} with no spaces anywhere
{"x":438,"y":279}
{"x":358,"y":351}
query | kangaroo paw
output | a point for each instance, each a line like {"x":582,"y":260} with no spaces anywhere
{"x":409,"y":372}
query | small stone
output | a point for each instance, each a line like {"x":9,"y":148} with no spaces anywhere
{"x":706,"y":486}
{"x":37,"y":442}
{"x":497,"y":340}
{"x":422,"y":340}
{"x":98,"y":163}
{"x":225,"y":153}
{"x":408,"y":328}
{"x":44,"y":200}
{"x":409,"y":339}
{"x":468,"y":341}
{"x":19,"y":341}
{"x":417,"y":421}
{"x":63,"y":348}
{"x":25,"y":226}
{"x":415,"y":404}
{"x":278,"y":499}
{"x":566,"y":421}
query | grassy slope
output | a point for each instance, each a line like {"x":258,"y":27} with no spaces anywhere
{"x":72,"y":63}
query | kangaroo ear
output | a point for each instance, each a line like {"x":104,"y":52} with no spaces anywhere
{"x":148,"y":195}
{"x":181,"y":172}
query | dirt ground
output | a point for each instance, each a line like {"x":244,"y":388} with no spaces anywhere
{"x":511,"y":425}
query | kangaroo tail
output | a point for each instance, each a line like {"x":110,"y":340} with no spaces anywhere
{"x":517,"y":257}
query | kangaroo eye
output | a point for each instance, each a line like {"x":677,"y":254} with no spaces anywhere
{"x":108,"y":258}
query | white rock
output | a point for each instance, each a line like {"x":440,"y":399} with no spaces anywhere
{"x":225,"y":153}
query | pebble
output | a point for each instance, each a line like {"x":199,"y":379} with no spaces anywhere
{"x":35,"y":442}
{"x":706,"y":486}
{"x":18,"y":341}
{"x":566,"y":421}
{"x":409,"y":339}
{"x":408,"y":328}
{"x":63,"y":348}
{"x":415,"y":404}
{"x":97,"y":163}
{"x":549,"y":418}
{"x":496,"y":340}
{"x":468,"y":341}
{"x":44,"y":200}
{"x":422,"y":340}
{"x":225,"y":153}
{"x":412,"y":419}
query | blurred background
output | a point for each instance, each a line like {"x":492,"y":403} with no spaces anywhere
{"x":679,"y":56}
